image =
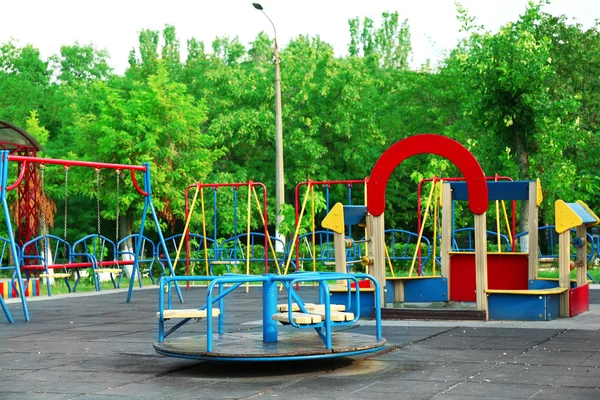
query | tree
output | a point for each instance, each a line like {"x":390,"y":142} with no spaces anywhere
{"x":24,"y":82}
{"x":80,"y":63}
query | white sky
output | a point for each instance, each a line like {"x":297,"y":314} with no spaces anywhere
{"x":114,"y":24}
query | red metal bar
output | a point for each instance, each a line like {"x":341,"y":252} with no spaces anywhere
{"x":19,"y":178}
{"x":76,"y":163}
{"x":136,"y":185}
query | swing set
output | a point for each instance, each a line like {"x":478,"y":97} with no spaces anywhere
{"x":48,"y":253}
{"x":239,"y":249}
{"x":321,"y":248}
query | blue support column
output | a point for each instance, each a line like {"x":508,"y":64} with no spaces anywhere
{"x":269,"y":308}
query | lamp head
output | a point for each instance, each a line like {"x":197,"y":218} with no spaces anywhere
{"x":257,"y":6}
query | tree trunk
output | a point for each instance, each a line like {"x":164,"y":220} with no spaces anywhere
{"x":128,"y":245}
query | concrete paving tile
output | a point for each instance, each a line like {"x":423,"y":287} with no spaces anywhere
{"x":496,"y":377}
{"x":37,"y":361}
{"x":591,"y":361}
{"x":36,"y":396}
{"x":455,"y":342}
{"x":412,"y":387}
{"x":451,"y":372}
{"x":580,"y":381}
{"x":485,"y":389}
{"x":64,"y":386}
{"x":562,"y":393}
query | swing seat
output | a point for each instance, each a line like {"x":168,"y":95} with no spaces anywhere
{"x":188,"y":313}
{"x":226,"y":262}
{"x":56,"y":275}
{"x":109,"y":271}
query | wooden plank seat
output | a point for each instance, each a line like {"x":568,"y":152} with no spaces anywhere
{"x":188,"y":313}
{"x":533,"y":292}
{"x":310,"y":307}
{"x":298,"y":318}
{"x":295,"y":307}
{"x":56,"y":275}
{"x":335,"y":316}
{"x":321,"y":307}
{"x":108,"y":271}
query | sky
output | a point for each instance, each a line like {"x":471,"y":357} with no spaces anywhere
{"x":114,"y":25}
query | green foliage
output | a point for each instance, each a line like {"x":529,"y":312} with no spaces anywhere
{"x":523,"y":99}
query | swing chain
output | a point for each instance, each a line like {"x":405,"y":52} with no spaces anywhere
{"x":98,"y":197}
{"x":44,"y":226}
{"x":117,"y":206}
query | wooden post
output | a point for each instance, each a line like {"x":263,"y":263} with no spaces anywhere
{"x":581,"y":257}
{"x":375,"y":225}
{"x":564,"y":271}
{"x":339,"y":245}
{"x":446,"y":232}
{"x":533,"y":231}
{"x":481,"y":262}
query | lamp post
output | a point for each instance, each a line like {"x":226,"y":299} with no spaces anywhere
{"x":279,"y":183}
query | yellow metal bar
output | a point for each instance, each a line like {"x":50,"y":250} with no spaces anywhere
{"x":185,"y":228}
{"x":510,"y":238}
{"x":436,"y":213}
{"x":204,"y":230}
{"x":412,"y":266}
{"x":292,"y":247}
{"x":262,"y":217}
{"x":387,"y":255}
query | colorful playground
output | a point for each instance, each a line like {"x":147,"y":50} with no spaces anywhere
{"x":354,"y":308}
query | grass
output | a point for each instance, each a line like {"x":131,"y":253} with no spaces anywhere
{"x":86,"y":285}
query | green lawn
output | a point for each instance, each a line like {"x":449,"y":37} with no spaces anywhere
{"x":86,"y":285}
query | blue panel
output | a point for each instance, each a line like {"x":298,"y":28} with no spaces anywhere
{"x":535,"y":284}
{"x":389,"y":291}
{"x":354,"y":215}
{"x":426,"y":290}
{"x":496,"y":190}
{"x":582,"y":213}
{"x":516,"y":307}
{"x":367,"y":302}
{"x":552,"y":307}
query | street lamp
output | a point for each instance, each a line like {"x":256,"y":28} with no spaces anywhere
{"x":279,"y":184}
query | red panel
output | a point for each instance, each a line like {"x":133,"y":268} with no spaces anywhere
{"x":427,"y":144}
{"x":462,"y":277}
{"x":579,"y":300}
{"x":505,"y":271}
{"x":508,"y":271}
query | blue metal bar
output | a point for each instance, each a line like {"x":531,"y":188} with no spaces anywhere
{"x":11,"y":237}
{"x":270,"y":308}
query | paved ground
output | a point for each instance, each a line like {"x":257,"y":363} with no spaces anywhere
{"x":99,"y":347}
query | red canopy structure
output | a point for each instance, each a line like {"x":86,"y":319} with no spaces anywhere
{"x":21,"y":143}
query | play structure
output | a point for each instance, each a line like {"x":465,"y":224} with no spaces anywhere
{"x":503,"y":285}
{"x":50,"y":257}
{"x":310,"y":326}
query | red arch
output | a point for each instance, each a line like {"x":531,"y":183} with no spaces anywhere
{"x":427,"y":144}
